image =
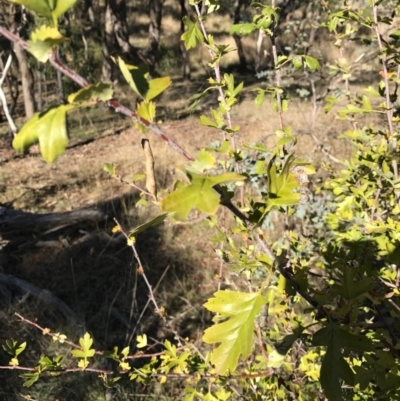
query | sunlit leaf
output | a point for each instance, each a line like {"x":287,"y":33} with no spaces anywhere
{"x":192,"y":34}
{"x":157,"y":86}
{"x":43,"y":41}
{"x":49,"y":129}
{"x":199,"y":194}
{"x":235,"y":334}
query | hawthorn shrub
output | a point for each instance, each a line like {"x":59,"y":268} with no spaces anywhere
{"x":313,"y":315}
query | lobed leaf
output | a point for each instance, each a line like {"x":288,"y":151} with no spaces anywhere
{"x":235,"y":335}
{"x":43,"y":41}
{"x":199,"y":194}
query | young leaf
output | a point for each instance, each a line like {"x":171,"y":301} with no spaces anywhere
{"x":204,"y":161}
{"x":43,"y":41}
{"x":312,"y":63}
{"x":235,"y":335}
{"x":141,"y":341}
{"x":282,"y":185}
{"x":192,"y":35}
{"x":49,"y":129}
{"x":146,"y":111}
{"x":157,"y":86}
{"x":11,"y":347}
{"x":86,"y":352}
{"x":199,"y":194}
{"x":30,"y":378}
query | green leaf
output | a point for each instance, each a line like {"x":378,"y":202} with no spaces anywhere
{"x":43,"y":41}
{"x":204,"y":161}
{"x":49,"y":128}
{"x":86,"y":352}
{"x":146,"y":111}
{"x":236,"y":334}
{"x":151,"y":223}
{"x":334,"y":367}
{"x":192,"y":35}
{"x":297,"y":62}
{"x":110,"y":169}
{"x":312,"y":63}
{"x":141,"y":341}
{"x":372,"y":91}
{"x":242,"y":29}
{"x":199,"y":194}
{"x":157,"y":86}
{"x":352,"y":287}
{"x":135,"y":76}
{"x":11,"y":347}
{"x":30,"y":378}
{"x":282,"y":185}
{"x":92,"y":94}
{"x":366,"y":103}
{"x":51,"y":9}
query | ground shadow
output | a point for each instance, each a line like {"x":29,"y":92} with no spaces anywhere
{"x":84,"y":267}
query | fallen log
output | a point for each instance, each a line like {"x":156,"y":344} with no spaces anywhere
{"x":44,"y":295}
{"x":17,"y":220}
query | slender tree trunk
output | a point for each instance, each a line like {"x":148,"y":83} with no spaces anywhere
{"x":155,"y":13}
{"x":108,"y":44}
{"x":89,"y":12}
{"x":26,"y":80}
{"x":116,"y":38}
{"x":60,"y":85}
{"x":26,"y":74}
{"x":184,"y":53}
{"x":39,"y":90}
{"x":236,"y":19}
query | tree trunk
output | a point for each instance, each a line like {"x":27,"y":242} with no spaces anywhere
{"x":116,"y":38}
{"x":89,"y":12}
{"x":155,"y":14}
{"x":26,"y":74}
{"x":184,"y":53}
{"x":236,"y":19}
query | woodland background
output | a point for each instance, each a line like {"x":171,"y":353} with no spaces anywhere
{"x":70,"y":272}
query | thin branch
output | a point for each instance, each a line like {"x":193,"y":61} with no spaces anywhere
{"x":3,"y":99}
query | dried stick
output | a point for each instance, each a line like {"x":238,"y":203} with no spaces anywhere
{"x":151,"y":183}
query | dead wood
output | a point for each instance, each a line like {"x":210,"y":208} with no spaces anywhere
{"x":44,"y":295}
{"x":18,"y":220}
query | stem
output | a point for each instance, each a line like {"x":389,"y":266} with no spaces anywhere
{"x":389,"y":105}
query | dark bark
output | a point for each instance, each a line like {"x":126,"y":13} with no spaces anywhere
{"x":236,"y":20}
{"x":116,"y":39}
{"x":155,"y":13}
{"x":26,"y":74}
